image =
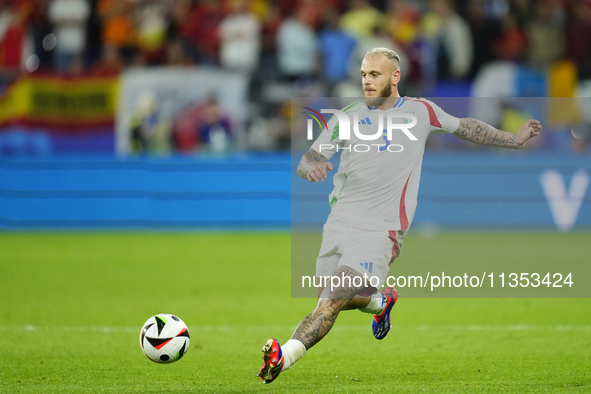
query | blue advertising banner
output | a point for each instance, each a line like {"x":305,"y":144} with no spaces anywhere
{"x":483,"y":191}
{"x":457,"y":192}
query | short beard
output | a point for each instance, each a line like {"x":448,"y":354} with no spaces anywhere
{"x":384,"y":95}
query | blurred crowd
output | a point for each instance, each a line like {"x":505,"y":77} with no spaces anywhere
{"x":294,"y":40}
{"x":441,"y":39}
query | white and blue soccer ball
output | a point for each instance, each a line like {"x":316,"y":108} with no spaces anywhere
{"x":164,"y":338}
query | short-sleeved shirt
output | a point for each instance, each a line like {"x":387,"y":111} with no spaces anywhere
{"x":377,"y":182}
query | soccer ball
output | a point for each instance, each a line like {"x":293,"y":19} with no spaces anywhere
{"x":164,"y":338}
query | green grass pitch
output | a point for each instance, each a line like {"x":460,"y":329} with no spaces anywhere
{"x":72,"y":306}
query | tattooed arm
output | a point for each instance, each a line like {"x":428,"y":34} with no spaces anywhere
{"x":314,"y":166}
{"x":481,"y":133}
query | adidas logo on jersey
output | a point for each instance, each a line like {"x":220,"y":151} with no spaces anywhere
{"x":367,"y":266}
{"x":365,"y":121}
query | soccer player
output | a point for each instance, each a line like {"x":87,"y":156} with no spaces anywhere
{"x":373,"y":201}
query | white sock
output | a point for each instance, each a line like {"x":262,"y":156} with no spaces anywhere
{"x":376,"y":305}
{"x":293,"y":350}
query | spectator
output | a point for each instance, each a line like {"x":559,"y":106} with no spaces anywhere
{"x":151,"y":131}
{"x":313,"y":10}
{"x":361,"y":19}
{"x":485,"y":31}
{"x":175,"y":54}
{"x":215,"y":131}
{"x":578,"y":35}
{"x":110,"y":61}
{"x":270,"y":27}
{"x":287,"y":7}
{"x":493,"y":9}
{"x":268,"y":68}
{"x":118,"y":26}
{"x":12,"y":35}
{"x":199,"y":30}
{"x":203,"y":124}
{"x":94,"y":42}
{"x":336,"y":48}
{"x":240,"y":38}
{"x":176,"y":16}
{"x":297,"y":47}
{"x":260,"y":8}
{"x":68,"y":18}
{"x":512,"y":42}
{"x":522,"y":11}
{"x":545,"y":36}
{"x":151,"y":29}
{"x":451,"y":40}
{"x":41,"y":33}
{"x":403,"y":21}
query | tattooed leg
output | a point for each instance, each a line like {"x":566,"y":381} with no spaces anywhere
{"x":318,"y":323}
{"x":356,"y":302}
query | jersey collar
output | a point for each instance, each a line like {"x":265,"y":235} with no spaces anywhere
{"x":397,"y":105}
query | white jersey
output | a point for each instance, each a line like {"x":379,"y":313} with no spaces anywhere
{"x":377,"y":182}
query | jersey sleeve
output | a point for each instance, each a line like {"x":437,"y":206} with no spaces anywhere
{"x":328,"y":142}
{"x":441,"y":121}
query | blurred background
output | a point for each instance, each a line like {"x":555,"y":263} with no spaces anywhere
{"x":176,"y":113}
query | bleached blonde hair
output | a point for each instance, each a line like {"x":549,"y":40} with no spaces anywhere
{"x":390,"y":54}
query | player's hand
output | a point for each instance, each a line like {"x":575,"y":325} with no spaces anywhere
{"x":530,"y":129}
{"x":318,"y":173}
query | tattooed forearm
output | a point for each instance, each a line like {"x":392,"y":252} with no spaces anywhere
{"x":481,"y":133}
{"x":318,"y":323}
{"x":309,"y":159}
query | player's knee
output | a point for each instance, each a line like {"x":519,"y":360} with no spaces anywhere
{"x":326,"y":304}
{"x":319,"y":291}
{"x":324,"y":297}
{"x":322,"y":302}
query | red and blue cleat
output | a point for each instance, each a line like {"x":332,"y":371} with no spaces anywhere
{"x":272,"y":361}
{"x":381,"y":323}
